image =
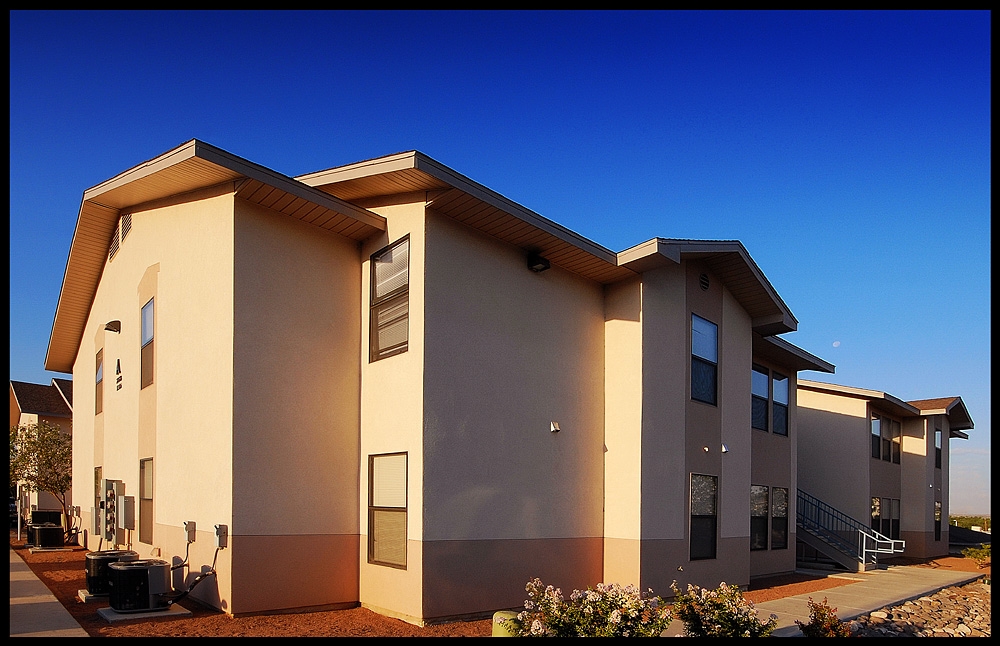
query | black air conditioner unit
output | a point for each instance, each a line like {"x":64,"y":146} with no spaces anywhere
{"x":139,"y":586}
{"x":97,"y":568}
{"x":42,"y":516}
{"x":45,"y":535}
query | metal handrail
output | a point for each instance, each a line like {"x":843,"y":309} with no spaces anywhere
{"x":847,"y":534}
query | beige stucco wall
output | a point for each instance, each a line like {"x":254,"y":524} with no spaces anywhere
{"x":507,"y":352}
{"x":295,"y":520}
{"x":834,"y":451}
{"x":392,"y":414}
{"x":192,"y":241}
{"x":922,"y":484}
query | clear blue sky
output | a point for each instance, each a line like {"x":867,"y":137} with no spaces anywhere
{"x":848,"y":151}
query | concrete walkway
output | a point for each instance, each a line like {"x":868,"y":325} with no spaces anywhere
{"x":873,"y":590}
{"x":34,"y":610}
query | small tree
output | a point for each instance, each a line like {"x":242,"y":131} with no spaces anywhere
{"x":41,"y":456}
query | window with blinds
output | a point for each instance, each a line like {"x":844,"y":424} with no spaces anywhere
{"x":390,"y":300}
{"x":387,"y":509}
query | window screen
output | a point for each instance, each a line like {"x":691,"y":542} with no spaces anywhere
{"x":390,"y":304}
{"x":387,"y":509}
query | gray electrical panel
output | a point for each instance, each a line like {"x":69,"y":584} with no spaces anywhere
{"x":126,"y":512}
{"x":111,"y":492}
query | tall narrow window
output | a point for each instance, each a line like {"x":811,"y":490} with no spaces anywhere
{"x":387,"y":509}
{"x":760,"y":394}
{"x":99,"y":386}
{"x":886,"y":517}
{"x":758,"y":517}
{"x":894,"y":516}
{"x":390,"y":300}
{"x":146,"y":500}
{"x":779,"y":518}
{"x":877,"y":514}
{"x":937,"y":520}
{"x":876,"y":436}
{"x":937,"y":448}
{"x":886,"y":439}
{"x":704,"y":359}
{"x":704,"y":492}
{"x":897,"y":438}
{"x":146,"y":351}
{"x":780,"y":404}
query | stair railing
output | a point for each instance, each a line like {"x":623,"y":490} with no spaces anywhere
{"x":842,"y":532}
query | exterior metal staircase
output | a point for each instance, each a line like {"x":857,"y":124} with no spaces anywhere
{"x":846,"y":541}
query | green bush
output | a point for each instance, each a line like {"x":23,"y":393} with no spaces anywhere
{"x":823,"y":622}
{"x":608,"y":610}
{"x":981,"y":555}
{"x":722,"y":612}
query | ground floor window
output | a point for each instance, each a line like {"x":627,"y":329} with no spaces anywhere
{"x":779,"y":518}
{"x":387,"y":509}
{"x":704,"y":516}
{"x":937,"y":520}
{"x":146,"y":500}
{"x":759,"y":512}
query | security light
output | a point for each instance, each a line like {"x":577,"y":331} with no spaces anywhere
{"x":114,"y":326}
{"x":536,"y":263}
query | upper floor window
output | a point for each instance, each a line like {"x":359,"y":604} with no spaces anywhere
{"x":704,"y":359}
{"x":779,"y":411}
{"x":99,"y":383}
{"x":886,"y":438}
{"x":390,"y":303}
{"x":146,"y":350}
{"x":937,"y":448}
{"x":760,"y":395}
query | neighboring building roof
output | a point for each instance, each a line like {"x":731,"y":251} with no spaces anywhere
{"x":189,"y":167}
{"x":782,"y":352}
{"x":967,"y":537}
{"x":65,"y":387}
{"x":958,"y":415}
{"x":953,"y":407}
{"x":39,"y":399}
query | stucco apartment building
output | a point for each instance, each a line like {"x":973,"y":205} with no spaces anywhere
{"x":400,"y":389}
{"x":51,"y":403}
{"x":881,"y":460}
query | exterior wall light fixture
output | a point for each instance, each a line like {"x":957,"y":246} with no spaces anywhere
{"x":536,"y":263}
{"x":725,"y":449}
{"x":114,"y":326}
{"x":554,"y":427}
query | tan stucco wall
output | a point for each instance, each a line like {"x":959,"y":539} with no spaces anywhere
{"x":192,"y":241}
{"x":392,"y":415}
{"x":508,"y":351}
{"x":922,"y":484}
{"x":834,"y":451}
{"x":296,"y":412}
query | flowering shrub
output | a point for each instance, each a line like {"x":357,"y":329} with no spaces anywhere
{"x":722,"y":612}
{"x":823,"y":622}
{"x":608,"y":610}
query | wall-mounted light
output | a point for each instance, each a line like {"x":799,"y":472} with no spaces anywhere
{"x":113,"y":326}
{"x":554,"y":427}
{"x":536,"y":263}
{"x":705,"y":449}
{"x":725,"y":449}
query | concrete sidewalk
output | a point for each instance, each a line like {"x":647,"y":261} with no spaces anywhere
{"x":34,"y":610}
{"x":873,"y":590}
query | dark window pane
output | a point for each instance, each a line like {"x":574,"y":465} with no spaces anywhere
{"x":876,"y":437}
{"x":758,"y":413}
{"x":703,"y":381}
{"x":780,"y":419}
{"x":779,"y":533}
{"x":758,"y":534}
{"x":702,"y":537}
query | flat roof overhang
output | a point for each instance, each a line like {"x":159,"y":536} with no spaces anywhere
{"x":458,"y":197}
{"x":883,"y":401}
{"x":191,"y":166}
{"x":780,"y":351}
{"x":730,"y":261}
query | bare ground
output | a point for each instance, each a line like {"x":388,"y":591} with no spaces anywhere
{"x":64,"y":574}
